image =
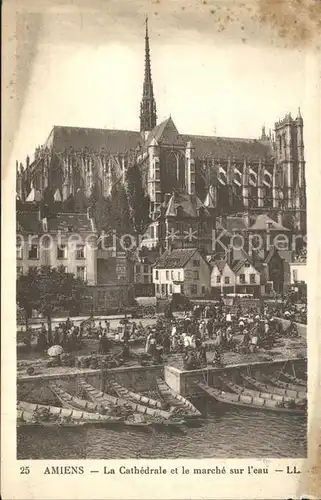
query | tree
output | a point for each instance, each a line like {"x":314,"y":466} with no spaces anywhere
{"x":101,"y":209}
{"x":138,"y":200}
{"x":49,"y":290}
{"x":120,"y":213}
{"x":24,"y":293}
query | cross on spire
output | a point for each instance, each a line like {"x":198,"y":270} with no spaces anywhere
{"x":148,"y":105}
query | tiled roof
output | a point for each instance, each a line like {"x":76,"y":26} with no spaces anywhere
{"x":231,"y":225}
{"x":95,"y":139}
{"x":175,"y":259}
{"x":235,"y":224}
{"x":220,"y":264}
{"x":165,"y":132}
{"x":226,"y":147}
{"x":73,"y":222}
{"x":30,"y":223}
{"x":244,"y":257}
{"x":113,"y":141}
{"x":263,"y":221}
{"x":190,"y":205}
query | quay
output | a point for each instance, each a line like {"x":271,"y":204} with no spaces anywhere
{"x":142,"y":378}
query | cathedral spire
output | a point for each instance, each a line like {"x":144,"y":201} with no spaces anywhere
{"x":148,"y":104}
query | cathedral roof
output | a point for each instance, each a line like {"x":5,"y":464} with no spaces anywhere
{"x":164,"y":132}
{"x":96,"y":139}
{"x":114,"y":141}
{"x":228,"y":147}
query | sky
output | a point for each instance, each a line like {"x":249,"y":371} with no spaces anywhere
{"x":216,"y":70}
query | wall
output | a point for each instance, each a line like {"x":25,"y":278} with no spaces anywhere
{"x":185,"y":382}
{"x":48,"y":256}
{"x":173,"y":274}
{"x":227,"y":272}
{"x":204,"y":271}
{"x":35,"y":388}
{"x":248,"y":271}
{"x":301,"y":271}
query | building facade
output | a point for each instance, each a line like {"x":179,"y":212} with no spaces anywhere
{"x":68,"y":240}
{"x":182,"y":271}
{"x":259,"y":175}
{"x":298,"y":272}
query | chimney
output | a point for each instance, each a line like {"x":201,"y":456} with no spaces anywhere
{"x":27,"y":161}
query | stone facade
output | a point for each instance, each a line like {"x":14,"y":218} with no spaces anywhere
{"x":260,"y":175}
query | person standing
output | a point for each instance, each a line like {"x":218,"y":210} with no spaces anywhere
{"x":202,"y":329}
{"x":152,"y":345}
{"x":147,"y":345}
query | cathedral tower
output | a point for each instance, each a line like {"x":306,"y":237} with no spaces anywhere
{"x":148,"y":105}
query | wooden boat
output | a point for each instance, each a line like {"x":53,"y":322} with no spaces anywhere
{"x":283,"y":385}
{"x":175,"y":400}
{"x":261,"y":386}
{"x":27,"y":418}
{"x":75,"y":403}
{"x":70,"y":414}
{"x":122,"y":392}
{"x":293,"y":380}
{"x":248,"y":401}
{"x":238,"y":389}
{"x":102,"y":397}
{"x":75,"y":418}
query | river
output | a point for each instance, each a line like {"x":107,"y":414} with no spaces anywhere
{"x":226,"y":433}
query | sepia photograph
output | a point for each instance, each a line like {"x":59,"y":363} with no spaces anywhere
{"x":161,"y":236}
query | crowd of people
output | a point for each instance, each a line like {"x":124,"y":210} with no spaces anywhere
{"x":200,"y":334}
{"x":66,"y":334}
{"x":215,"y":329}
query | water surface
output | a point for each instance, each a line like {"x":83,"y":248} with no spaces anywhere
{"x":227,"y":432}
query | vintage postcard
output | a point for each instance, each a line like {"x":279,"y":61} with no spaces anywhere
{"x":161,"y":173}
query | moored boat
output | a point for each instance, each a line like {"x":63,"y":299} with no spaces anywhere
{"x":175,"y":400}
{"x":122,"y":392}
{"x":293,"y":380}
{"x":68,"y":413}
{"x":284,"y":385}
{"x":237,"y":389}
{"x":28,"y":418}
{"x":257,"y":384}
{"x":248,"y":401}
{"x":75,"y":403}
{"x":102,"y":397}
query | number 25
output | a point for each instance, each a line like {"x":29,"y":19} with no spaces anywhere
{"x":25,"y":470}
